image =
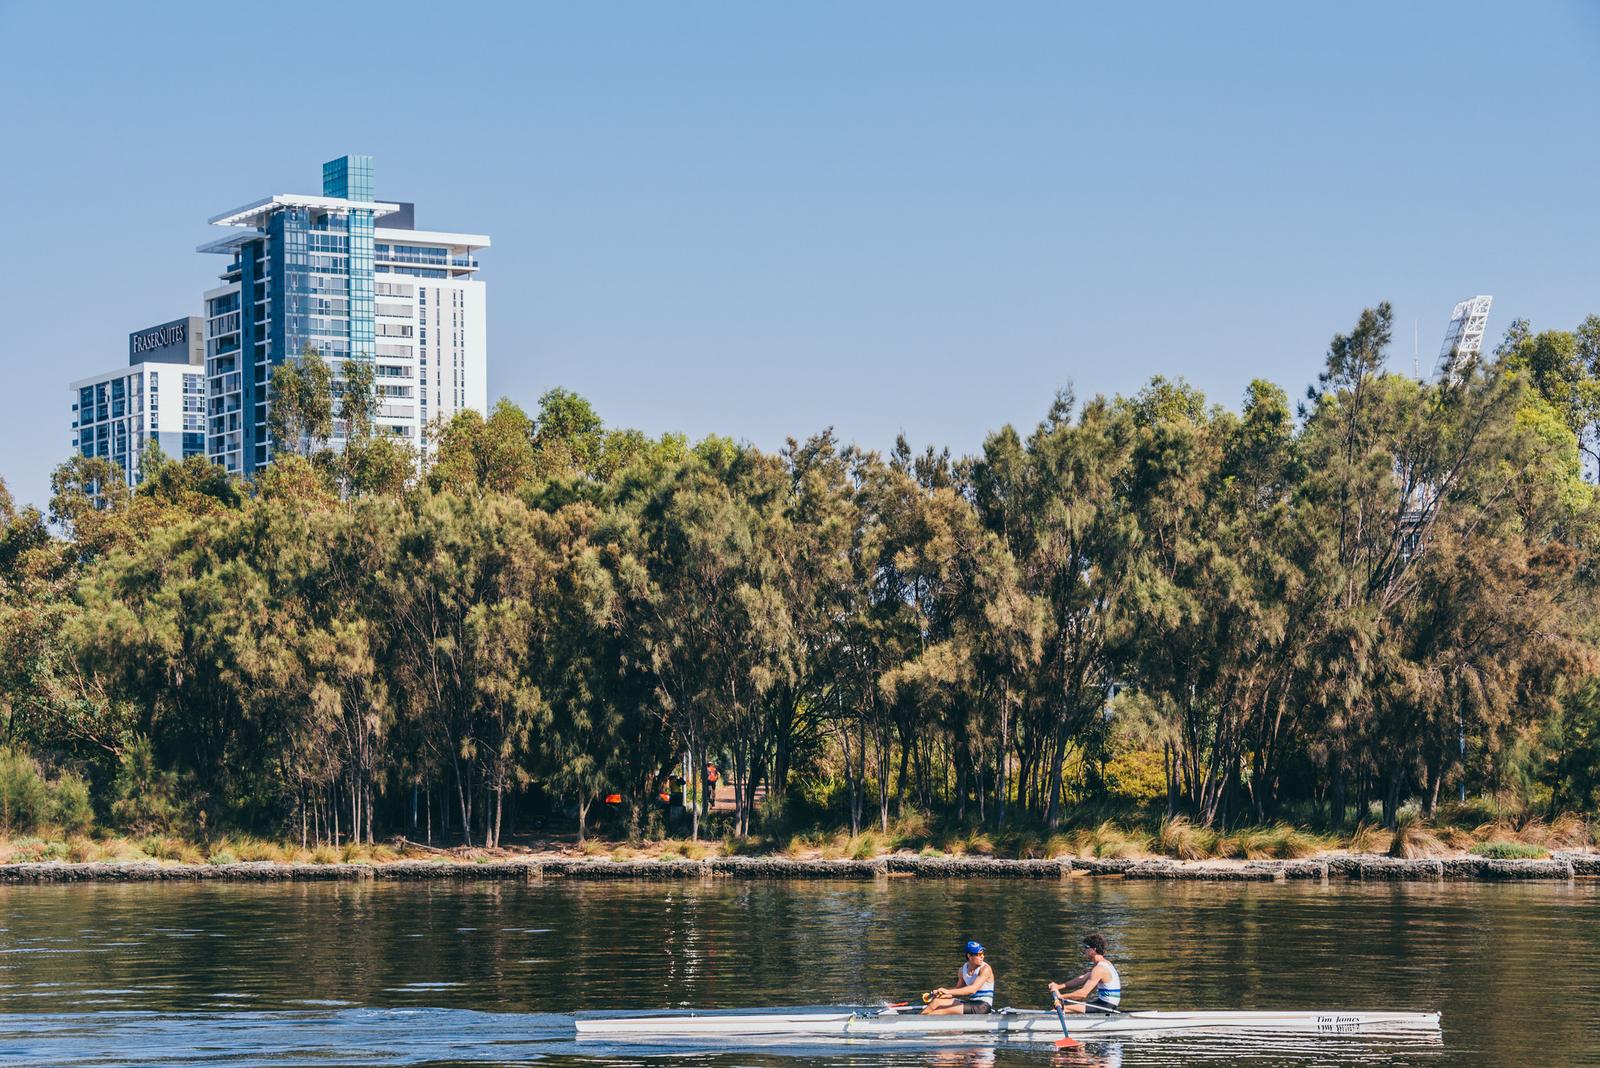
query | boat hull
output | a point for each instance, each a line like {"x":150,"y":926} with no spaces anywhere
{"x":1008,"y":1023}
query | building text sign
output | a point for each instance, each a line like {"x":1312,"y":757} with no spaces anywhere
{"x":169,"y":340}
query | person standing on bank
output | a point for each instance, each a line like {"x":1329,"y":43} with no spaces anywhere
{"x":973,"y":992}
{"x":1100,"y":987}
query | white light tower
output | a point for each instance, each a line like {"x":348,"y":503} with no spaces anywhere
{"x":1463,"y":338}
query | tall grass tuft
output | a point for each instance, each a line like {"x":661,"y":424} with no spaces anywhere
{"x":1413,"y":839}
{"x":1276,"y":841}
{"x":1178,"y":837}
{"x":1368,"y":838}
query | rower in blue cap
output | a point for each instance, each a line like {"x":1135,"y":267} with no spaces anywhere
{"x":973,"y":992}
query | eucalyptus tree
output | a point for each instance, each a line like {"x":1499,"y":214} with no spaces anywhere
{"x":185,"y":628}
{"x":300,"y":416}
{"x":697,"y":593}
{"x":1213,"y":602}
{"x":1058,"y":501}
{"x":1393,"y":467}
{"x":471,"y":452}
{"x":459,"y":602}
{"x":976,"y":630}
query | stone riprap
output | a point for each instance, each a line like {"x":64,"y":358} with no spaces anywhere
{"x":1352,"y":866}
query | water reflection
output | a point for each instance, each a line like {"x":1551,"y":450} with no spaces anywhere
{"x":490,"y":973}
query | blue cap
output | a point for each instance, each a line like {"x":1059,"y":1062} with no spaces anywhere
{"x":974,"y":947}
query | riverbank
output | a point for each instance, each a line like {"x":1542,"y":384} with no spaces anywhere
{"x":1343,"y":866}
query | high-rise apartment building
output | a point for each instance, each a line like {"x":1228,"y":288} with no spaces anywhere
{"x":353,"y":278}
{"x":158,"y":396}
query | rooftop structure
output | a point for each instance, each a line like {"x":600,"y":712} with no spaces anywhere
{"x":320,"y":272}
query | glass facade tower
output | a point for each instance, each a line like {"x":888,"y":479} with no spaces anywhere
{"x":303,"y":275}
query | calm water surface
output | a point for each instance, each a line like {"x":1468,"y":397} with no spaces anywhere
{"x":491,"y":974}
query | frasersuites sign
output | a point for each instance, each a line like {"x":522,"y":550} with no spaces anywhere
{"x":168,"y":343}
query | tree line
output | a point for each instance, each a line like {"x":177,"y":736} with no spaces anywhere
{"x":1371,"y":598}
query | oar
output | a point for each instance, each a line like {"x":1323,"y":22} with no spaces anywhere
{"x":1089,"y":1005}
{"x":926,"y":997}
{"x":1066,"y":1041}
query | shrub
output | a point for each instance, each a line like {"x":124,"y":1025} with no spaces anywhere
{"x":1139,"y":775}
{"x":144,"y":799}
{"x":24,"y":796}
{"x":1510,"y":851}
{"x":70,"y":808}
{"x":83,"y":849}
{"x":1475,"y":812}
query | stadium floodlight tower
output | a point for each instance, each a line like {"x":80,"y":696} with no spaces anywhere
{"x":1463,"y":338}
{"x":1463,"y":345}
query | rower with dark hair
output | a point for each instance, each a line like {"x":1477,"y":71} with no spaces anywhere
{"x":1100,"y":987}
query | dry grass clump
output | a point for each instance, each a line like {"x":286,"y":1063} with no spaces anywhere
{"x":687,"y":848}
{"x":245,"y":848}
{"x":1368,"y":838}
{"x":1564,"y":832}
{"x":324,"y":854}
{"x":868,"y":844}
{"x":363,"y":853}
{"x":165,"y":847}
{"x":1412,"y":839}
{"x":1180,"y":838}
{"x":1277,"y":841}
{"x":1458,"y":837}
{"x":979,"y":844}
{"x":1109,"y":840}
{"x":911,"y":826}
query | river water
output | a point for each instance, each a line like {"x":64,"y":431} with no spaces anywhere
{"x":491,"y":973}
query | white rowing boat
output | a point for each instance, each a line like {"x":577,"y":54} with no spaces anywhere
{"x":1010,"y":1023}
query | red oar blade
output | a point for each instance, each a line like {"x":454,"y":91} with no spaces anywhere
{"x":1067,"y":1043}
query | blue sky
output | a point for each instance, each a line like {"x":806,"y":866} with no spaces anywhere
{"x":760,"y":219}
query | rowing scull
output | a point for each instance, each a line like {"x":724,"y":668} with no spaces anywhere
{"x":1019,"y":1023}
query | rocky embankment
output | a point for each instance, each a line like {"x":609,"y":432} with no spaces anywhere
{"x":1354,"y":866}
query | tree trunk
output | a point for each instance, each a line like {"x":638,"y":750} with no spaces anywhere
{"x":466,"y":807}
{"x":1336,"y":799}
{"x":1058,"y":757}
{"x":1391,"y":799}
{"x":1000,"y":771}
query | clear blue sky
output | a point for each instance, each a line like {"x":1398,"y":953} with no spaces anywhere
{"x":763,"y":219}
